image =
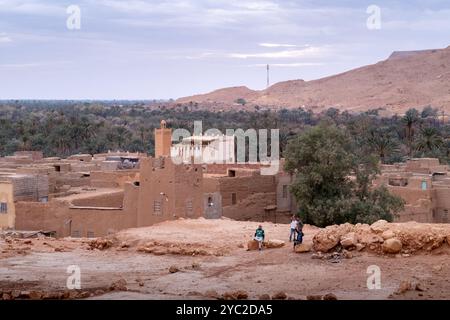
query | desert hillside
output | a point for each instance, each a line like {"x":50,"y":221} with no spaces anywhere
{"x":404,"y":80}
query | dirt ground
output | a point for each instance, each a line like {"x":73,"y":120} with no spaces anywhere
{"x":209,"y":258}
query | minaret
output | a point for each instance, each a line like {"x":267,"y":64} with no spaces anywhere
{"x":163,"y":140}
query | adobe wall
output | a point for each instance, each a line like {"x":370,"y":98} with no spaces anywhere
{"x":7,"y":220}
{"x":253,"y":195}
{"x":113,"y":179}
{"x":169,"y":191}
{"x":218,"y":168}
{"x":114,"y":199}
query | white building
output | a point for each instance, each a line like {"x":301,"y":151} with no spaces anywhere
{"x":205,"y":149}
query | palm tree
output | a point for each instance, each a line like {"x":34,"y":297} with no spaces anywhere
{"x":382,"y":143}
{"x":410,"y":119}
{"x":429,"y":140}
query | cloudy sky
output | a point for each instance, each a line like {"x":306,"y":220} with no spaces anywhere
{"x":153,"y":49}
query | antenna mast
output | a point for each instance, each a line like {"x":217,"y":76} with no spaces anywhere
{"x":268,"y":76}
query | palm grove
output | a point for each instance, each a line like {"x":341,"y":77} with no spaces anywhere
{"x":334,"y":155}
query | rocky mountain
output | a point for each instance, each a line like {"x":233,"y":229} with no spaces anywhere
{"x":406,"y":79}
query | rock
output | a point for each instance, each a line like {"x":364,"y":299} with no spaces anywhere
{"x":403,"y":287}
{"x":15,"y":294}
{"x":195,"y":266}
{"x":59,"y":249}
{"x":347,"y":254}
{"x":237,"y":295}
{"x":329,"y":237}
{"x":124,"y":245}
{"x":392,"y":245}
{"x":99,"y":292}
{"x":314,"y":297}
{"x":264,"y":297}
{"x":273,"y":244}
{"x":437,"y":268}
{"x":252,"y":245}
{"x":212,"y":294}
{"x":318,"y":255}
{"x":101,"y":244}
{"x":419,"y":287}
{"x":388,"y":234}
{"x":35,"y":295}
{"x":380,"y":226}
{"x":330,"y":296}
{"x":6,"y":296}
{"x":173,"y":269}
{"x":302,"y":248}
{"x":24,"y":295}
{"x":119,"y":285}
{"x":349,"y":240}
{"x":279,"y":296}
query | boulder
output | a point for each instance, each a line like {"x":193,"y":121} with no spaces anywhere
{"x":302,"y":248}
{"x":349,"y":240}
{"x":380,"y":226}
{"x":264,"y":297}
{"x":388,"y":234}
{"x":392,"y":245}
{"x":271,"y":244}
{"x":252,"y":245}
{"x":403,"y":287}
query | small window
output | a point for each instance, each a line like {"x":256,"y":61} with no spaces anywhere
{"x":58,"y":168}
{"x":233,"y":198}
{"x":285,"y":191}
{"x":157,"y":207}
{"x":232,"y":173}
{"x":75,"y":234}
{"x":3,"y":207}
{"x":424,"y":185}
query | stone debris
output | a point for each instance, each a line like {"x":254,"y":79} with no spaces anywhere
{"x":383,"y":237}
{"x":100,"y":244}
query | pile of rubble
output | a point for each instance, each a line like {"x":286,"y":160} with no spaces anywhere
{"x":383,"y":237}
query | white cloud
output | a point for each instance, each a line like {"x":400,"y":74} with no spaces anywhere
{"x":4,"y":38}
{"x":289,"y":65}
{"x":277,"y":45}
{"x":310,"y":52}
{"x":31,"y":7}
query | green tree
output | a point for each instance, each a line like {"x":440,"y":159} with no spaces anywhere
{"x":410,"y":119}
{"x":429,"y":140}
{"x":322,"y":162}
